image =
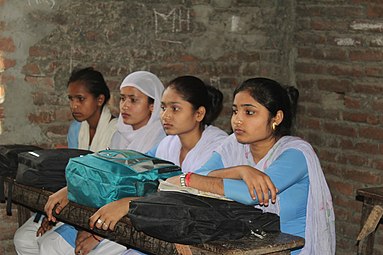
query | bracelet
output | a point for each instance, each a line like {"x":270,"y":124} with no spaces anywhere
{"x":182,"y":180}
{"x":187,"y":179}
{"x":98,"y":240}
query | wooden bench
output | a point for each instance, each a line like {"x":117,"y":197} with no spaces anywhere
{"x":125,"y":234}
{"x":370,"y":197}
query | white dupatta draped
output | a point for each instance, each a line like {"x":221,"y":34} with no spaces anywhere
{"x":170,"y":149}
{"x":320,"y":219}
{"x":104,"y":132}
{"x":146,"y":137}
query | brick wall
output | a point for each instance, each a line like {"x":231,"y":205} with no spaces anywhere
{"x":222,"y":42}
{"x":340,"y":77}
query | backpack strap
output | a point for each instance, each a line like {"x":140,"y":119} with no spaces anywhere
{"x":2,"y":195}
{"x":9,"y":198}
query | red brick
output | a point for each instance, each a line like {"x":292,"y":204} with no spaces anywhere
{"x":375,"y":11}
{"x":63,"y":114}
{"x":360,"y":117}
{"x":330,"y":10}
{"x":366,"y":88}
{"x":41,"y":117}
{"x":305,"y":53}
{"x":6,"y":79}
{"x":341,"y":188}
{"x":339,"y":129}
{"x":31,"y":69}
{"x":371,"y":132}
{"x":91,"y":36}
{"x":377,"y":105}
{"x":366,"y":55}
{"x":310,"y":123}
{"x":374,"y":71}
{"x":188,"y":58}
{"x":351,"y":102}
{"x":327,"y":155}
{"x":7,"y":44}
{"x":316,"y":111}
{"x":330,"y":54}
{"x":378,"y":164}
{"x":343,"y":70}
{"x":363,"y":177}
{"x":37,"y":51}
{"x":58,"y":129}
{"x":351,"y":204}
{"x":310,"y":39}
{"x":334,"y":85}
{"x":6,"y":63}
{"x":310,"y":68}
{"x":41,"y":82}
{"x":329,"y":25}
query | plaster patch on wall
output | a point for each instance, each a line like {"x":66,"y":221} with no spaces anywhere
{"x":332,"y":100}
{"x":215,"y":81}
{"x":235,"y":23}
{"x":346,"y":42}
{"x":51,"y":3}
{"x":367,"y":26}
{"x":377,"y":41}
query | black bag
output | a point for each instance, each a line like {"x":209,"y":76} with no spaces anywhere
{"x":45,"y":169}
{"x":190,"y":219}
{"x":8,"y":163}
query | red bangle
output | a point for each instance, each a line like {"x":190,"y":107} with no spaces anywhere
{"x":187,"y":178}
{"x":98,"y":240}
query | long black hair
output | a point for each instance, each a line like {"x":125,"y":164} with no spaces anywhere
{"x":197,"y":93}
{"x":274,"y":97}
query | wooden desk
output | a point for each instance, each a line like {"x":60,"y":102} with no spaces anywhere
{"x":370,"y":198}
{"x":125,"y":234}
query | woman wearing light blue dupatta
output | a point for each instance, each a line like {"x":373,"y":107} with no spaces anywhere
{"x":263,"y":165}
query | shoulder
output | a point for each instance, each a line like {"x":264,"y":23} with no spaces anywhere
{"x":75,"y":124}
{"x":213,"y":131}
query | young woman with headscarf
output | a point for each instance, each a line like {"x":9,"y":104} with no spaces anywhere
{"x":188,"y":108}
{"x":138,"y":128}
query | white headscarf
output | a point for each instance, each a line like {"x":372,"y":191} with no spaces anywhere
{"x":104,"y":132}
{"x":146,"y":137}
{"x":320,"y":218}
{"x":170,"y":149}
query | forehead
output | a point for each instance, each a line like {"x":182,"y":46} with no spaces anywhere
{"x":77,"y":87}
{"x":244,"y":97}
{"x":131,"y":91}
{"x":172,"y":95}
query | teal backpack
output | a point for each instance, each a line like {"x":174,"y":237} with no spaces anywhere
{"x":97,"y":179}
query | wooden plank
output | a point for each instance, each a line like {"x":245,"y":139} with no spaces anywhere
{"x":370,"y":197}
{"x":125,"y":234}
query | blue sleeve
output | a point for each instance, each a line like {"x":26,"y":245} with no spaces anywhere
{"x":289,"y":168}
{"x":73,"y":131}
{"x":214,"y":163}
{"x":152,"y":151}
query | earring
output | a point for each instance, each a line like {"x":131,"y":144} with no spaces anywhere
{"x":274,"y":126}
